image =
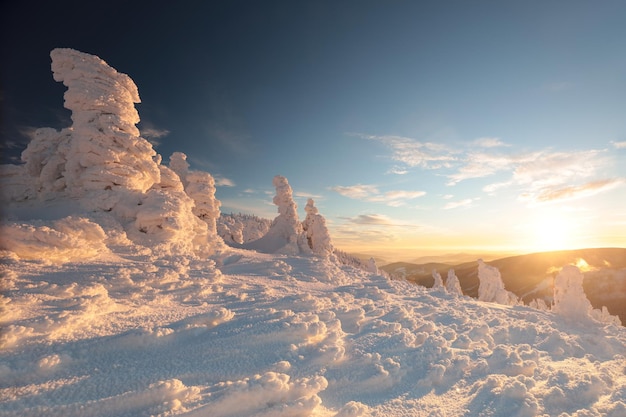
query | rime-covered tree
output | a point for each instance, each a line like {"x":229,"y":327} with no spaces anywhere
{"x":571,"y":302}
{"x":371,"y":266}
{"x":317,"y":235}
{"x":438,"y":285}
{"x":103,"y":149}
{"x":285,"y":234}
{"x":103,"y":164}
{"x":179,"y":164}
{"x":453,"y":286}
{"x":491,"y":286}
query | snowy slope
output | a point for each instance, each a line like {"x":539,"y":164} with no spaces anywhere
{"x":276,"y":335}
{"x":120,"y":298}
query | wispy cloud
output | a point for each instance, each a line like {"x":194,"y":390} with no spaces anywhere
{"x":539,"y":176}
{"x":151,"y":133}
{"x":357,"y":192}
{"x":489,"y":143}
{"x":478,"y":165}
{"x":375,"y":220}
{"x":570,"y":192}
{"x":223,"y":181}
{"x":371,"y":219}
{"x":371,"y":193}
{"x":302,"y":194}
{"x":492,"y":188}
{"x":554,"y":168}
{"x":459,"y":204}
{"x":414,"y":153}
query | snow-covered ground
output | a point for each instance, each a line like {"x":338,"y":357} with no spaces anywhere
{"x":278,"y":335}
{"x":120,"y":297}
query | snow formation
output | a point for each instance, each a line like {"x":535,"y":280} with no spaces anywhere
{"x":317,"y":235}
{"x":570,"y":300}
{"x":120,"y":300}
{"x":286,"y":234}
{"x":438,"y":285}
{"x":453,"y":286}
{"x":491,"y":287}
{"x":103,"y":165}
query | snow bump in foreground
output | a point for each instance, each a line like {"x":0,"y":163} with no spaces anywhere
{"x":277,"y":335}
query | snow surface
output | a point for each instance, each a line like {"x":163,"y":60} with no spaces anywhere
{"x":120,"y":298}
{"x":251,"y":334}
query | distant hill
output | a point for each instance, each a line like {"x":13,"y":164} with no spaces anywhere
{"x":531,"y":276}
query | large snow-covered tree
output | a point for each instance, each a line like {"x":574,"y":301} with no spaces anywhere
{"x":317,"y":235}
{"x":491,"y":287}
{"x":453,"y":286}
{"x":105,"y":150}
{"x":102,"y":164}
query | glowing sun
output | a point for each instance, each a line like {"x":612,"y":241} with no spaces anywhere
{"x":551,"y":232}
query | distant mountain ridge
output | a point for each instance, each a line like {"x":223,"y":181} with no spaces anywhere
{"x":531,"y":276}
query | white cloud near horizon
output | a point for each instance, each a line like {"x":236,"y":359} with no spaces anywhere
{"x":459,"y":204}
{"x":302,"y":194}
{"x":540,"y":176}
{"x":571,"y":192}
{"x":375,"y":220}
{"x":371,"y":193}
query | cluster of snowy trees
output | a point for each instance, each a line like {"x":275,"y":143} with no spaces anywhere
{"x":570,"y":300}
{"x":103,"y":165}
{"x":241,"y":228}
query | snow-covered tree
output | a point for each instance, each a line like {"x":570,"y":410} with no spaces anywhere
{"x":438,"y":285}
{"x":453,"y":286}
{"x":286,"y":224}
{"x":242,"y":228}
{"x":571,"y":302}
{"x":491,"y":286}
{"x":103,"y":164}
{"x":372,"y":267}
{"x":200,"y":186}
{"x":285,"y":234}
{"x":179,"y":164}
{"x":317,"y":235}
{"x":103,"y":149}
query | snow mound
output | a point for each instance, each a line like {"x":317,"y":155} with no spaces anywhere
{"x":64,"y":240}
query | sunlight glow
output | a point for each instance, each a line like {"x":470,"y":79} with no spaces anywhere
{"x":551,"y":232}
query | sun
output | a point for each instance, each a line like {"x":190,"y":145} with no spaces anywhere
{"x":551,"y":232}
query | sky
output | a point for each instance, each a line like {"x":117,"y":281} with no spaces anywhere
{"x":418,"y":127}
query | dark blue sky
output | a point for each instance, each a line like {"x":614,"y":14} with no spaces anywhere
{"x":389,"y":113}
